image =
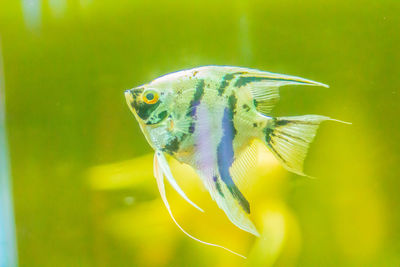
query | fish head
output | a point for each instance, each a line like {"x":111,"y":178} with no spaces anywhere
{"x":148,"y":104}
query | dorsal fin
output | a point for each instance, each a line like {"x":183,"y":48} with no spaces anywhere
{"x":264,"y":87}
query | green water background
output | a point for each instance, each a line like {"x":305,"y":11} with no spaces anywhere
{"x":67,"y":64}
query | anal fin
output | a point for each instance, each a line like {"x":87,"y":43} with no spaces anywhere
{"x":228,"y":202}
{"x":158,"y":174}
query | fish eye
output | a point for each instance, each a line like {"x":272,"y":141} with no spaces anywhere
{"x":150,"y":96}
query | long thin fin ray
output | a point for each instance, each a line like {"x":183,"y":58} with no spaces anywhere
{"x":158,"y":173}
{"x":281,"y":79}
{"x":164,"y":167}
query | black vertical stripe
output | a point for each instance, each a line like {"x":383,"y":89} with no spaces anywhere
{"x":218,"y":186}
{"x":173,"y":145}
{"x":225,"y":156}
{"x":232,"y":102}
{"x":198,"y":95}
{"x":226,"y":79}
{"x":225,"y":82}
{"x":269,"y":135}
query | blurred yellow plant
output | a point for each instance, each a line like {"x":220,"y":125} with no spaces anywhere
{"x":146,"y":226}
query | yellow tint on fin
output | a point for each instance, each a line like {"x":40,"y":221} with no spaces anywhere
{"x":158,"y":173}
{"x":246,"y":160}
{"x":226,"y":201}
{"x":289,"y":138}
{"x":160,"y":159}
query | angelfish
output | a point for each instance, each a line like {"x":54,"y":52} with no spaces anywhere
{"x":208,"y":117}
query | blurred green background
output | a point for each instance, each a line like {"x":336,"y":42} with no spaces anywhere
{"x":83,"y":189}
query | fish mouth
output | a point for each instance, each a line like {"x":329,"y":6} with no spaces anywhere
{"x":130,"y":100}
{"x":128,"y":95}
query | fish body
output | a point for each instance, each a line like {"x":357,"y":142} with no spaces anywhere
{"x":208,"y":117}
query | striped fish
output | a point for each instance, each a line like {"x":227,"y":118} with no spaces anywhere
{"x":208,"y":117}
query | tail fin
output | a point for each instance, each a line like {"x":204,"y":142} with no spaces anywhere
{"x":289,"y":137}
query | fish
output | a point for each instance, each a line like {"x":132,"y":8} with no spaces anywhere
{"x":208,"y":118}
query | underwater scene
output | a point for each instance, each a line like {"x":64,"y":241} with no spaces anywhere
{"x":277,"y":133}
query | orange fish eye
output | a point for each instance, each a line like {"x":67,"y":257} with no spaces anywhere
{"x":150,"y":97}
